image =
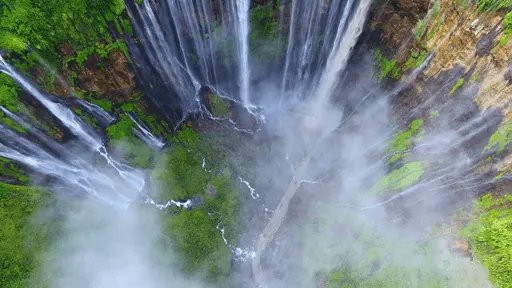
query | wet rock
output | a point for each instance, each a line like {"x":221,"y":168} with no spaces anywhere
{"x":394,"y":21}
{"x":112,"y":79}
{"x":243,"y":118}
{"x":211,"y":190}
{"x":508,"y":74}
{"x":195,"y":202}
{"x":486,"y":43}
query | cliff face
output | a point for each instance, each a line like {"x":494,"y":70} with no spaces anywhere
{"x":466,"y":83}
{"x":471,"y":54}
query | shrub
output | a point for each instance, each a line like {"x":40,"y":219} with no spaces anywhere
{"x":457,"y":85}
{"x":489,"y":5}
{"x":490,"y":235}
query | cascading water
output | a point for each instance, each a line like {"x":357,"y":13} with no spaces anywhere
{"x":183,"y":42}
{"x":144,"y":134}
{"x":241,"y":8}
{"x":112,"y":183}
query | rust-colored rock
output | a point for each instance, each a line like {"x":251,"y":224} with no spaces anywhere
{"x":396,"y":19}
{"x":114,"y":80}
{"x":67,"y":50}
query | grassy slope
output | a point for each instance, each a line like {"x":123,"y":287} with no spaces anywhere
{"x":20,"y":240}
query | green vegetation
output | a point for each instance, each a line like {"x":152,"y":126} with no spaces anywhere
{"x":407,"y":175}
{"x":9,"y":93}
{"x":457,"y":85}
{"x":415,"y":60}
{"x":434,"y":114}
{"x":263,"y":40}
{"x":433,"y":31}
{"x":101,"y":49}
{"x":218,"y":106}
{"x":507,"y":22}
{"x":10,"y":101}
{"x":420,"y":28}
{"x":157,"y":126}
{"x":21,"y":241}
{"x":11,"y":171}
{"x":501,"y":137}
{"x":390,"y":68}
{"x":366,"y":256}
{"x":402,"y":141}
{"x":47,"y":24}
{"x":135,"y":152}
{"x":386,"y":67}
{"x":490,"y":236}
{"x":422,"y":24}
{"x":195,"y":232}
{"x":12,"y":42}
{"x":86,"y":118}
{"x":489,"y":5}
{"x":104,"y":104}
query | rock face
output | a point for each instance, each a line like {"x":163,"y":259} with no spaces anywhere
{"x":211,"y":191}
{"x":508,"y":74}
{"x":115,"y":80}
{"x":394,"y":21}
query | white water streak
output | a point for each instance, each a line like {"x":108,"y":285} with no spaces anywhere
{"x":241,"y":10}
{"x":254,"y":195}
{"x":145,"y":135}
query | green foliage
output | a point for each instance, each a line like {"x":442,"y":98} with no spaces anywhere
{"x":263,"y":40}
{"x":11,"y":42}
{"x":489,"y":5}
{"x":434,"y":114}
{"x":156,"y":126}
{"x":93,"y":122}
{"x":402,"y":141}
{"x":457,"y":85}
{"x":433,"y":31}
{"x":218,"y":106}
{"x":501,"y":137}
{"x":490,"y":236}
{"x":136,"y":152}
{"x":46,"y":25}
{"x":104,"y":104}
{"x":407,"y":175}
{"x":11,"y":171}
{"x":195,"y":232}
{"x":420,"y":27}
{"x":504,"y":38}
{"x":386,"y":67}
{"x":415,"y":60}
{"x":102,"y":50}
{"x":9,"y":100}
{"x":9,"y":93}
{"x":507,"y":20}
{"x":367,"y":256}
{"x":21,"y":241}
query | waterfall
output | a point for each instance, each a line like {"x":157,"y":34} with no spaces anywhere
{"x":96,"y":111}
{"x":145,"y":134}
{"x":110,"y":182}
{"x":242,"y":32}
{"x":64,"y":114}
{"x":184,"y":40}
